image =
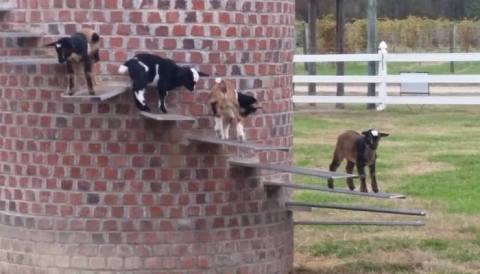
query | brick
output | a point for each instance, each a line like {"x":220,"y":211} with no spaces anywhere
{"x":97,"y":263}
{"x":62,"y":261}
{"x":133,"y":263}
{"x":79,"y":262}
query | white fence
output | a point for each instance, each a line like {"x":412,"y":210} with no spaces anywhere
{"x":382,"y":79}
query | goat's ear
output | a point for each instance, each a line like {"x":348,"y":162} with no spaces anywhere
{"x":382,"y":134}
{"x":366,"y":132}
{"x":203,"y":74}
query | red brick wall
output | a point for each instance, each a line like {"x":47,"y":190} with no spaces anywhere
{"x":95,"y":188}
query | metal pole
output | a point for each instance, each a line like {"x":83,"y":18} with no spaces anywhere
{"x":336,"y":190}
{"x":371,"y":44}
{"x":382,"y":223}
{"x":359,"y":208}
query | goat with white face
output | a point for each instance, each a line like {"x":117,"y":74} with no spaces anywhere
{"x":80,"y":48}
{"x":359,"y":150}
{"x":144,"y":69}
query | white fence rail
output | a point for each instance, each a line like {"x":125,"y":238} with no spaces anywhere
{"x":382,"y":79}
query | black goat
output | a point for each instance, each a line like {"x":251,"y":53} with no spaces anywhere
{"x":81,"y":47}
{"x":359,"y":149}
{"x":147,"y":68}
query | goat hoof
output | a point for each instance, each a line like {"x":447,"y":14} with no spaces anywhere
{"x":163,"y":109}
{"x":91,"y":92}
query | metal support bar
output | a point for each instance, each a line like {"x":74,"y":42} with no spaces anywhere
{"x":382,"y":223}
{"x":336,"y":190}
{"x":166,"y":117}
{"x":359,"y":208}
{"x":284,"y":168}
{"x":236,"y":143}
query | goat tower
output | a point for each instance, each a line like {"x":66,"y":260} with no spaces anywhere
{"x":88,"y":185}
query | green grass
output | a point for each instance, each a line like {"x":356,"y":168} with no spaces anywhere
{"x":361,"y":68}
{"x":455,"y":250}
{"x":347,"y":249}
{"x":432,"y":156}
{"x":448,"y":140}
{"x":458,"y":190}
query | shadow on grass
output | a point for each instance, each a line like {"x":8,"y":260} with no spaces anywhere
{"x":362,"y":267}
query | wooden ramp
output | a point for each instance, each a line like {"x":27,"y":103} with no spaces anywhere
{"x":217,"y":141}
{"x":335,"y":190}
{"x":166,"y":117}
{"x":102,"y":93}
{"x":369,"y":223}
{"x":357,"y":208}
{"x":248,"y":163}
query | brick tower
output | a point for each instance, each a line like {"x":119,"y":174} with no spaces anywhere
{"x":88,"y":185}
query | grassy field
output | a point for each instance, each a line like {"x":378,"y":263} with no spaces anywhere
{"x":360,"y":68}
{"x":432,"y":156}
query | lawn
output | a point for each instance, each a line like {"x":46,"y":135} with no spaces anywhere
{"x":360,"y":68}
{"x":431,"y":156}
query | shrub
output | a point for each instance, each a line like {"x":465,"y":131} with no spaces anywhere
{"x":409,"y":34}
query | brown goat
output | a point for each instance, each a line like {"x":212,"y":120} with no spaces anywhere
{"x":360,"y":150}
{"x":224,"y":102}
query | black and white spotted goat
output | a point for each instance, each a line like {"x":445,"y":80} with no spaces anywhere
{"x":80,"y":48}
{"x":164,"y":73}
{"x":360,"y":150}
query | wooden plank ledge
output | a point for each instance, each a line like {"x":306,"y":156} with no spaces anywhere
{"x":358,"y":208}
{"x":19,"y":34}
{"x":166,"y":117}
{"x":381,"y":195}
{"x":370,"y":223}
{"x":27,"y":60}
{"x":249,"y":163}
{"x":102,"y":93}
{"x":235,"y":143}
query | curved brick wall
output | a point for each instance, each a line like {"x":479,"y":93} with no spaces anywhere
{"x":95,"y":188}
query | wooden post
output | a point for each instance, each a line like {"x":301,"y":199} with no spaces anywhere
{"x":382,"y":71}
{"x":340,"y":48}
{"x":305,"y":43}
{"x":371,"y":45}
{"x":453,"y":31}
{"x":312,"y":42}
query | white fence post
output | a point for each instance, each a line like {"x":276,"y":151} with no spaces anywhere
{"x":382,"y":71}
